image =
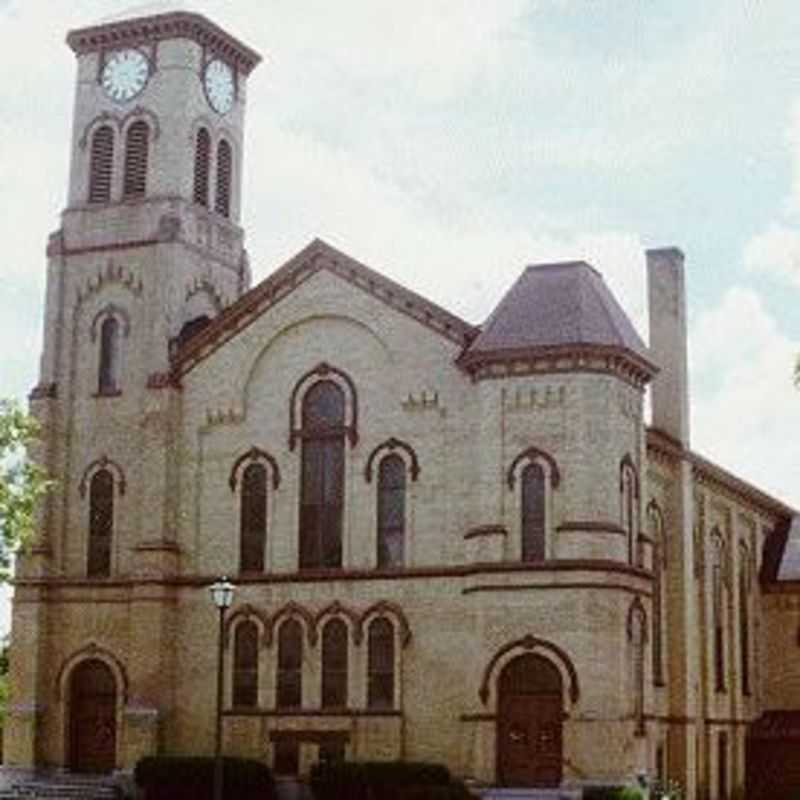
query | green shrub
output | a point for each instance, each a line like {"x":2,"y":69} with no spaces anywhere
{"x":612,"y":793}
{"x":384,"y":780}
{"x":192,"y":778}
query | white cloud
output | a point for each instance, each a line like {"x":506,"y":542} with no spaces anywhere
{"x":745,"y":409}
{"x":775,"y":252}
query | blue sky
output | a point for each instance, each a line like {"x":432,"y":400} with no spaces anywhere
{"x":450,"y":142}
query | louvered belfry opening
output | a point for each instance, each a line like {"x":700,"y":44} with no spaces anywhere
{"x":222,"y":204}
{"x":202,"y":152}
{"x":136,"y":147}
{"x":100,"y":165}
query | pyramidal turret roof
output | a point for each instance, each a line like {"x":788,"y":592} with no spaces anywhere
{"x":556,"y":306}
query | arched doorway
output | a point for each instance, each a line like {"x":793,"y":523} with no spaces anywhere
{"x":93,"y":718}
{"x":529,"y":723}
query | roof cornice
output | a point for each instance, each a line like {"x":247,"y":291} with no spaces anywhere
{"x":172,"y":25}
{"x":317,"y":256}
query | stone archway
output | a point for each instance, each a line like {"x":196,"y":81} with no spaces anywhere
{"x":92,"y":717}
{"x":530,"y":717}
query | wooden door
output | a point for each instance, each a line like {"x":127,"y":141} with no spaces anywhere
{"x":529,"y":726}
{"x":93,"y":718}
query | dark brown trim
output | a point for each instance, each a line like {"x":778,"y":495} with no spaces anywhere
{"x":104,"y":462}
{"x":289,"y":713}
{"x":519,"y":587}
{"x":591,"y":526}
{"x":310,"y":737}
{"x":255,"y":454}
{"x":322,"y":371}
{"x":485,"y":530}
{"x":530,"y":642}
{"x":478,"y":718}
{"x":531,"y":454}
{"x":317,"y":256}
{"x":390,"y":445}
{"x":158,"y":27}
{"x":387,"y":608}
{"x":333,"y":575}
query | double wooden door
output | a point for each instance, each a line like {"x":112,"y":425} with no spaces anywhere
{"x":93,"y":718}
{"x":529,"y":724}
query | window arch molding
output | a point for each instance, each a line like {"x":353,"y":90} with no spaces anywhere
{"x":337,"y":610}
{"x":324,"y":371}
{"x":294,"y":611}
{"x":636,"y":630}
{"x":391,"y":611}
{"x":530,"y":643}
{"x":246,"y":613}
{"x":114,"y":121}
{"x":395,"y":447}
{"x":656,"y":524}
{"x":253,"y":456}
{"x":626,"y":463}
{"x":110,"y":310}
{"x":104,"y":462}
{"x":528,"y":456}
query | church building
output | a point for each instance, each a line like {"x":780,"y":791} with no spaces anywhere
{"x":450,"y":542}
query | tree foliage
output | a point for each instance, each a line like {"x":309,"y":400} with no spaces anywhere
{"x":22,"y":482}
{"x":797,"y":372}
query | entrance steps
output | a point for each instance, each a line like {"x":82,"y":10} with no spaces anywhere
{"x":60,"y":787}
{"x":529,"y":794}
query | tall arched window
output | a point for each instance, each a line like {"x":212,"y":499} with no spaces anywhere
{"x":289,"y":683}
{"x":656,"y":520}
{"x":245,"y":665}
{"x":533,"y":512}
{"x":391,"y":511}
{"x":629,"y":491}
{"x":253,"y":521}
{"x":334,"y":664}
{"x":136,"y":156}
{"x":322,"y":491}
{"x":109,"y":368}
{"x":101,"y":161}
{"x":380,"y":664}
{"x":202,"y":153}
{"x":744,"y":618}
{"x":222,"y":203}
{"x":101,"y":524}
{"x":718,"y":608}
{"x":637,"y":636}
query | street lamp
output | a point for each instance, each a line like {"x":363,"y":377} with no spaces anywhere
{"x":222,"y":595}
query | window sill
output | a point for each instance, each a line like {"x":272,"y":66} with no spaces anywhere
{"x":108,"y":393}
{"x":311,"y":712}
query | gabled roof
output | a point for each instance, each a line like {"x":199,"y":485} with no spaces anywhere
{"x":556,"y":306}
{"x":316,"y":256}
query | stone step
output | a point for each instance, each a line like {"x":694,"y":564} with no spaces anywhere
{"x":67,"y":789}
{"x":506,"y":793}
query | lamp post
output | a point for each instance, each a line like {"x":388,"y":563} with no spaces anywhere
{"x":222,"y":595}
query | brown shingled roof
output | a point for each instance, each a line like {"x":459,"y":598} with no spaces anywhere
{"x":553,"y":305}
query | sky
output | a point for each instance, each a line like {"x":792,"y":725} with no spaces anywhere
{"x":449,"y":143}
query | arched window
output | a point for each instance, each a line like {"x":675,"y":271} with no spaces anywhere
{"x":245,"y":665}
{"x":101,"y":163}
{"x":108,"y":372}
{"x":718,"y":608}
{"x":532,"y":508}
{"x":289,"y":684}
{"x":637,"y":636}
{"x":222,"y":204}
{"x":322,"y":491}
{"x":202,"y":153}
{"x":744,"y":618}
{"x":136,"y":152}
{"x":253,"y":523}
{"x":656,"y":520}
{"x":334,"y":664}
{"x":101,"y":524}
{"x":380,"y":664}
{"x":629,"y":492}
{"x":391,"y":511}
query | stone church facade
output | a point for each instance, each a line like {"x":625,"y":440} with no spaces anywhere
{"x":450,"y":542}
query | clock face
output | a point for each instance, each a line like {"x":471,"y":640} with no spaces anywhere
{"x":218,"y":82}
{"x":125,"y":74}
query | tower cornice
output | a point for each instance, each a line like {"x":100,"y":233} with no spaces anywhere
{"x":175,"y":24}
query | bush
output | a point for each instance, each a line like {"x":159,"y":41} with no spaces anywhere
{"x":192,"y":778}
{"x":385,"y":780}
{"x":611,"y":793}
